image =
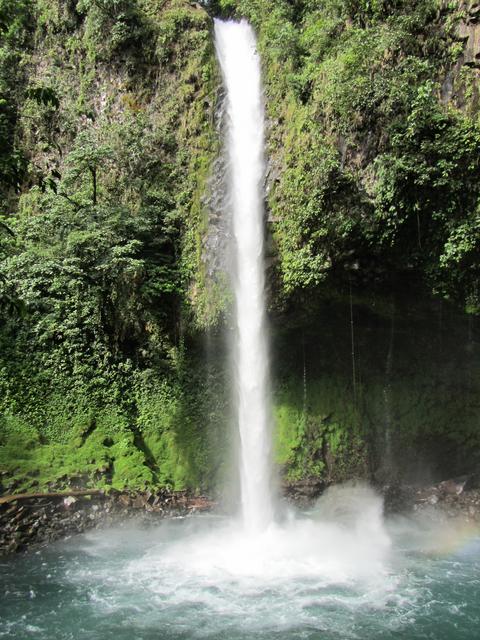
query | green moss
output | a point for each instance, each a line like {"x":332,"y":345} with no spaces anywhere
{"x":129,"y":468}
{"x":183,"y":428}
{"x":104,"y":455}
{"x":289,"y":431}
{"x":317,"y":434}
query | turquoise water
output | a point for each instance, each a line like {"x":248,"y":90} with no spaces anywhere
{"x":184,"y":579}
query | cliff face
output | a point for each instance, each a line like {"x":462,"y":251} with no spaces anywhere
{"x":109,"y":137}
{"x":468,"y":33}
{"x":373,"y":204}
{"x":109,"y":110}
{"x":374,"y":168}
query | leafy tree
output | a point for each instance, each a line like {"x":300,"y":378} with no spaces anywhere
{"x":86,"y":158}
{"x":115,"y":27}
{"x":428,"y":194}
{"x":14,"y":23}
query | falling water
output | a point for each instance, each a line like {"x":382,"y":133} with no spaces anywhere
{"x":239,"y":61}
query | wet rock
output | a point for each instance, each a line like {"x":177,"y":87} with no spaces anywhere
{"x":32,"y":521}
{"x":453,"y":486}
{"x":303,"y":492}
{"x":124,"y":500}
{"x":452,"y":497}
{"x":468,"y":32}
{"x":397,"y":497}
{"x":139,"y":502}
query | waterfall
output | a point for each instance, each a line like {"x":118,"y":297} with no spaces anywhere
{"x":240,"y":65}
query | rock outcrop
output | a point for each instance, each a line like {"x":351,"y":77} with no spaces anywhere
{"x":26,"y":522}
{"x":468,"y":31}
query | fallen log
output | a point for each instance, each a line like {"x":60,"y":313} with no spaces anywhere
{"x":53,"y":494}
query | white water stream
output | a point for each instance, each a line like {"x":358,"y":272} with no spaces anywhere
{"x":240,"y":64}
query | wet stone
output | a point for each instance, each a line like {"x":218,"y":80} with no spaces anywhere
{"x":41,"y":521}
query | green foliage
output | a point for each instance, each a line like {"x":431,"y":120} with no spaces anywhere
{"x":317,"y":435}
{"x":373,"y":175}
{"x":44,"y":95}
{"x":100,"y":260}
{"x":102,"y":454}
{"x":428,"y":186}
{"x":106,"y":142}
{"x":115,"y":28}
{"x":14,"y":23}
{"x":14,"y":15}
{"x":182,"y":423}
{"x":9,"y":304}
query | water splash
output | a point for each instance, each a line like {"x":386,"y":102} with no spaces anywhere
{"x":240,"y":65}
{"x":336,"y":574}
{"x":342,"y":541}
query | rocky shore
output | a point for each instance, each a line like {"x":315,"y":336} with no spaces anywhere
{"x":30,"y":520}
{"x":454,"y":498}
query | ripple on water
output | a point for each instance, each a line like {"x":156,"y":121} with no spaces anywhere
{"x":339,"y":574}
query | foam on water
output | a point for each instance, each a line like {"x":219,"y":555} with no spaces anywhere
{"x":338,"y":572}
{"x":212,"y":575}
{"x":342,"y":541}
{"x":289,"y":574}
